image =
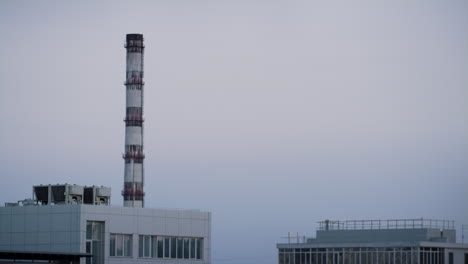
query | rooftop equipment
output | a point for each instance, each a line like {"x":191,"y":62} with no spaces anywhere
{"x":69,"y":194}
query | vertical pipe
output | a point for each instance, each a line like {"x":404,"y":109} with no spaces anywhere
{"x":133,"y":193}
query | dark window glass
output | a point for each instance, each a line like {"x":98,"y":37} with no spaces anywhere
{"x":95,"y":241}
{"x":98,"y":232}
{"x":112,"y":245}
{"x":160,"y":247}
{"x":147,"y":246}
{"x":89,"y":230}
{"x":88,"y":247}
{"x":173,"y":247}
{"x":140,"y":246}
{"x":119,"y":245}
{"x":96,"y":245}
{"x":186,"y":248}
{"x":450,"y":257}
{"x":88,"y":250}
{"x":180,"y":247}
{"x":128,"y":245}
{"x":166,"y":247}
{"x":199,"y":248}
{"x":154,"y":247}
{"x":192,"y":248}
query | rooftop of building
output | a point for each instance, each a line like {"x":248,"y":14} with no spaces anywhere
{"x":71,"y":197}
{"x":385,"y":224}
{"x":392,"y":232}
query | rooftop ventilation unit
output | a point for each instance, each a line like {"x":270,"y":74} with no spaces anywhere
{"x":70,"y":194}
{"x":97,"y":195}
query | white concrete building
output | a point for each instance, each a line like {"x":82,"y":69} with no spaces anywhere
{"x":401,"y":241}
{"x":109,"y":234}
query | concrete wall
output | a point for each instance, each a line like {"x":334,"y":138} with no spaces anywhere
{"x":458,"y":255}
{"x":40,"y":228}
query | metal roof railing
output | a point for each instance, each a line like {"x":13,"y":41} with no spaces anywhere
{"x":294,"y":238}
{"x":386,"y":224}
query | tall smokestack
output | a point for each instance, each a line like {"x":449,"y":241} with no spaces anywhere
{"x":133,"y":178}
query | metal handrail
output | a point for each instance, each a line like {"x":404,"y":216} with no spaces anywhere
{"x":386,"y":224}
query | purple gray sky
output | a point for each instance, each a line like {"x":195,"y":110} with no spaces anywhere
{"x":272,"y":115}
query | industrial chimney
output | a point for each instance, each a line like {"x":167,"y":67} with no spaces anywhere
{"x":133,"y":176}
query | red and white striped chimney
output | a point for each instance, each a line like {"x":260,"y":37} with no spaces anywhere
{"x":134,"y":174}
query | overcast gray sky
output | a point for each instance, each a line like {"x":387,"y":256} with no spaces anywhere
{"x":272,"y":115}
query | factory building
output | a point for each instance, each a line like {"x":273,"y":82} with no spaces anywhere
{"x":74,"y":222}
{"x":402,"y":241}
{"x":67,"y":223}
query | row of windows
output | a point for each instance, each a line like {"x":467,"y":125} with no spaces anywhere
{"x":357,"y":249}
{"x":157,"y":247}
{"x":362,"y":256}
{"x":170,"y":247}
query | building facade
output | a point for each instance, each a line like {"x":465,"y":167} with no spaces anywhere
{"x":413,"y":241}
{"x":107,"y":233}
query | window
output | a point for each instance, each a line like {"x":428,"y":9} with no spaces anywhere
{"x":173,"y":247}
{"x":163,"y":247}
{"x":199,"y":248}
{"x":192,"y":248}
{"x":160,"y":247}
{"x":95,"y":242}
{"x":450,"y":257}
{"x":140,"y":246}
{"x":147,"y":247}
{"x":186,"y":247}
{"x":120,"y":245}
{"x":166,"y":247}
{"x":180,"y":247}
{"x":112,"y":246}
